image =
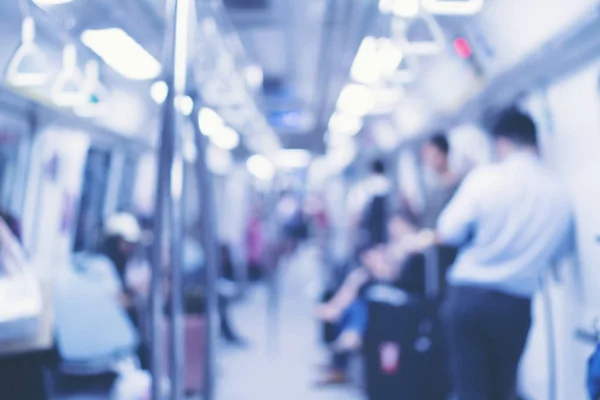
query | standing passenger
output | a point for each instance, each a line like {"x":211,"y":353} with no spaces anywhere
{"x":510,"y":219}
{"x":22,"y":373}
{"x":443,"y":182}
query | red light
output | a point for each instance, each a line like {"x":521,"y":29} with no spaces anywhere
{"x":462,"y":47}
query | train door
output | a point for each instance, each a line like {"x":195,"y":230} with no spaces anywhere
{"x":53,"y":187}
{"x":14,"y":155}
{"x":93,"y":198}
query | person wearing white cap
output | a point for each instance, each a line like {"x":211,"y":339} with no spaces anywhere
{"x":122,"y":232}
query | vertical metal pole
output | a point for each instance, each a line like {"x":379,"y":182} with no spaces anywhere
{"x":177,"y":353}
{"x":393,"y":174}
{"x":168,"y":198}
{"x":273,"y":273}
{"x":210,"y":244}
{"x":180,"y":69}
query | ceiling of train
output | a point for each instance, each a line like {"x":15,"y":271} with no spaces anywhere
{"x":276,"y":70}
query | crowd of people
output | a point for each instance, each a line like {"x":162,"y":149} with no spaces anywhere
{"x":494,"y":230}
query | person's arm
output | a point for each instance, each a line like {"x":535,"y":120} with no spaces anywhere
{"x":565,"y":249}
{"x":456,"y":222}
{"x":351,"y":337}
{"x":344,"y":296}
{"x":459,"y":218}
{"x":349,"y":290}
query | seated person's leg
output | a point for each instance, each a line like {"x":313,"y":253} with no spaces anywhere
{"x":353,"y":327}
{"x":340,"y":358}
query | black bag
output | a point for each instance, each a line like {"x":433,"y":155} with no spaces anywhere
{"x":330,"y":330}
{"x":297,"y":227}
{"x":404,"y":349}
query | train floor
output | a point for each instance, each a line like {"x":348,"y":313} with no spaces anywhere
{"x":284,"y":352}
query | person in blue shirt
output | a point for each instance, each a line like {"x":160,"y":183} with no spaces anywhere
{"x":511,"y":219}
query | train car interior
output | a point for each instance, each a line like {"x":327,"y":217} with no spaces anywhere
{"x":299,"y":199}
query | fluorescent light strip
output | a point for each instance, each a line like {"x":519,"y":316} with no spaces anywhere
{"x":386,"y":6}
{"x":185,"y":105}
{"x":376,"y":59}
{"x":209,"y":121}
{"x":389,"y":56}
{"x":159,"y":91}
{"x":453,"y":7}
{"x":357,"y":100}
{"x":254,"y":76}
{"x":345,"y":124}
{"x":227,"y":138}
{"x":293,"y":158}
{"x":400,"y":8}
{"x":51,"y":2}
{"x":364,"y":68}
{"x":219,"y":161}
{"x":406,"y":8}
{"x":387,"y":100}
{"x":260,"y":166}
{"x":181,"y":49}
{"x":122,"y":53}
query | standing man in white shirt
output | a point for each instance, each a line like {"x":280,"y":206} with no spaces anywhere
{"x":509,"y":219}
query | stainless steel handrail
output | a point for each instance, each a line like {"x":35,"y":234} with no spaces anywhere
{"x":169,"y":200}
{"x":212,"y":259}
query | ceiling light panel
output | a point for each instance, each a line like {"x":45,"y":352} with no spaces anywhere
{"x":357,"y":100}
{"x":453,"y":7}
{"x":345,"y":124}
{"x":122,"y":53}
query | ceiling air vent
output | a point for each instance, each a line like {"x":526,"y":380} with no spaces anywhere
{"x":247,"y":4}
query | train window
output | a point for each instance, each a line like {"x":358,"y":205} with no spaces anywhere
{"x":125,"y":201}
{"x":12,"y":163}
{"x":95,"y":184}
{"x":8,"y":165}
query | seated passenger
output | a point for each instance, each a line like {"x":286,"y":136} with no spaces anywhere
{"x":347,"y":312}
{"x":398,"y":263}
{"x":380,"y":262}
{"x":122,"y":234}
{"x":22,"y":375}
{"x":226,"y":291}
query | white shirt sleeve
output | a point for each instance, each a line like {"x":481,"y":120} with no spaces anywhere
{"x":459,"y":217}
{"x":356,"y":200}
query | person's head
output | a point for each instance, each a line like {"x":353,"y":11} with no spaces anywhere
{"x":514,"y":131}
{"x":402,"y":223}
{"x":376,"y":259}
{"x":124,"y":231}
{"x":225,"y":253}
{"x":435,"y":153}
{"x":378,"y":167}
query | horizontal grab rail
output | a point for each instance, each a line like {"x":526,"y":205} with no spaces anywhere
{"x":587,"y":336}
